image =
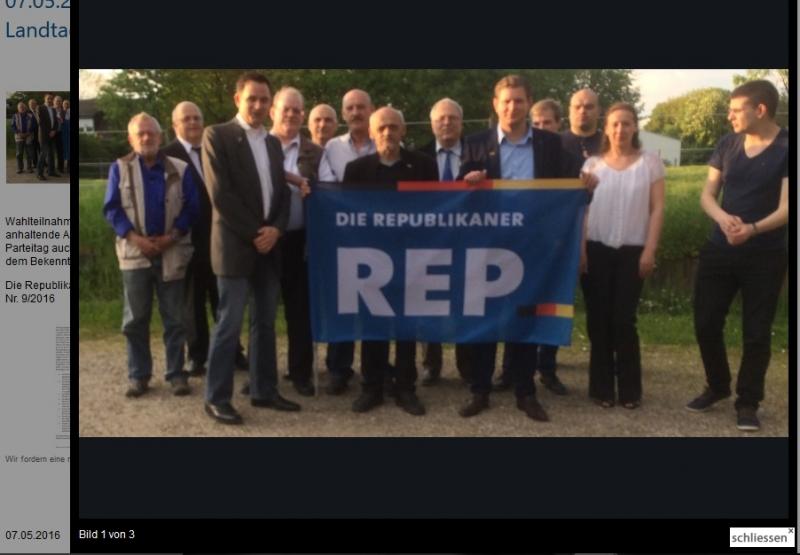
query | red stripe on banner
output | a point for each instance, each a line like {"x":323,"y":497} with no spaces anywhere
{"x":442,"y":185}
{"x":549,"y":309}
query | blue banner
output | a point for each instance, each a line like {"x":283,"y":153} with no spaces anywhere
{"x":453,"y":265}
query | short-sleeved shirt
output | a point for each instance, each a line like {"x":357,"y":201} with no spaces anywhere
{"x":338,"y":152}
{"x":751,"y":187}
{"x":620,"y":210}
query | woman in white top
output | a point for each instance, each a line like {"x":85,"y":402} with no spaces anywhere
{"x":623,"y":228}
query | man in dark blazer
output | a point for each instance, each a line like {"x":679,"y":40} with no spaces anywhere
{"x":512,"y":150}
{"x":48,"y":127}
{"x":447,"y":124}
{"x":301,"y":161}
{"x":390,"y":164}
{"x":187,"y":122}
{"x":243,"y":169}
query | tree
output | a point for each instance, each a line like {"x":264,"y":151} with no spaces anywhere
{"x":411,"y":90}
{"x":698,"y":118}
{"x":778,"y":76}
{"x":611,"y":85}
{"x":24,"y":96}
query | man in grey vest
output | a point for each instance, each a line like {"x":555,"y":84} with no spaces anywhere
{"x":151,"y":203}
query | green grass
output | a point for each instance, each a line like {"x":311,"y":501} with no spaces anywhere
{"x":101,"y":319}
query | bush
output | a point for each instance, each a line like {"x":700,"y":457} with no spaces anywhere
{"x":96,"y":150}
{"x":686,"y":226}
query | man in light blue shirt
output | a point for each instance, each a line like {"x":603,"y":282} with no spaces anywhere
{"x":356,"y":108}
{"x":511,"y":151}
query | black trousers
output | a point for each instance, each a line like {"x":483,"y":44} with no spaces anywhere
{"x":721,"y":273}
{"x":59,"y":152}
{"x":201,"y":286}
{"x":521,"y":359}
{"x":46,"y":156}
{"x":611,"y":290}
{"x":433,"y":359}
{"x":297,"y":310}
{"x":375,"y":364}
{"x":544,"y":362}
{"x":36,"y":149}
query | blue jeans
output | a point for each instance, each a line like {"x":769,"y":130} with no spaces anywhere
{"x":47,"y":152}
{"x":234,"y":294}
{"x":24,"y":149}
{"x":138,"y":286}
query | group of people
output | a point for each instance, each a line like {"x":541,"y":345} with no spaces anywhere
{"x":41,"y":135}
{"x":218,"y":214}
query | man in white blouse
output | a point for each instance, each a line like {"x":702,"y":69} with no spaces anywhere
{"x":356,"y":109}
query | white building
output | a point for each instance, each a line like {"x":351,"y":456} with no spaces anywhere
{"x":668,"y":149}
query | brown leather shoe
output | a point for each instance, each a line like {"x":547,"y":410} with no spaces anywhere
{"x":476,"y":405}
{"x":530,"y":406}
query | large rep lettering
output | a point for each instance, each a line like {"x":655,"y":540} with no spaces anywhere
{"x":364,"y":272}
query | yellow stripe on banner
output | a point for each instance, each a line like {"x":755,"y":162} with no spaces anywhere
{"x":565,"y":310}
{"x":537,"y":184}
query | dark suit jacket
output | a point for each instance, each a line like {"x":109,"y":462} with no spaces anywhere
{"x":201,"y":230}
{"x":44,"y":124}
{"x":414,"y":166}
{"x":430,"y":150}
{"x":308,"y":159}
{"x":235,"y":191}
{"x":482,"y":152}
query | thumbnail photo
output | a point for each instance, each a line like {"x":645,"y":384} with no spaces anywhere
{"x":37,"y":136}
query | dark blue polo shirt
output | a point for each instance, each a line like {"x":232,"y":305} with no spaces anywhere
{"x":751,"y":187}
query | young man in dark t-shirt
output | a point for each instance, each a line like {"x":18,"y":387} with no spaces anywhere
{"x":747,"y":249}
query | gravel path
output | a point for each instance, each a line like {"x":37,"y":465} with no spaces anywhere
{"x":672,"y":376}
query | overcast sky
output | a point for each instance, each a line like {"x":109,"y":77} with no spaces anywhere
{"x":658,"y":85}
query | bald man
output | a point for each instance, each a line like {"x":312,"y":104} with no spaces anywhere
{"x":339,"y":151}
{"x":187,"y":122}
{"x":388,"y":165}
{"x":583,"y":138}
{"x":322,"y":124}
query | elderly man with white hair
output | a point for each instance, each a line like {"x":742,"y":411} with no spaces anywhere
{"x":390,"y":164}
{"x":322,"y":123}
{"x":200,"y":284}
{"x":151,"y":203}
{"x":447,"y":124}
